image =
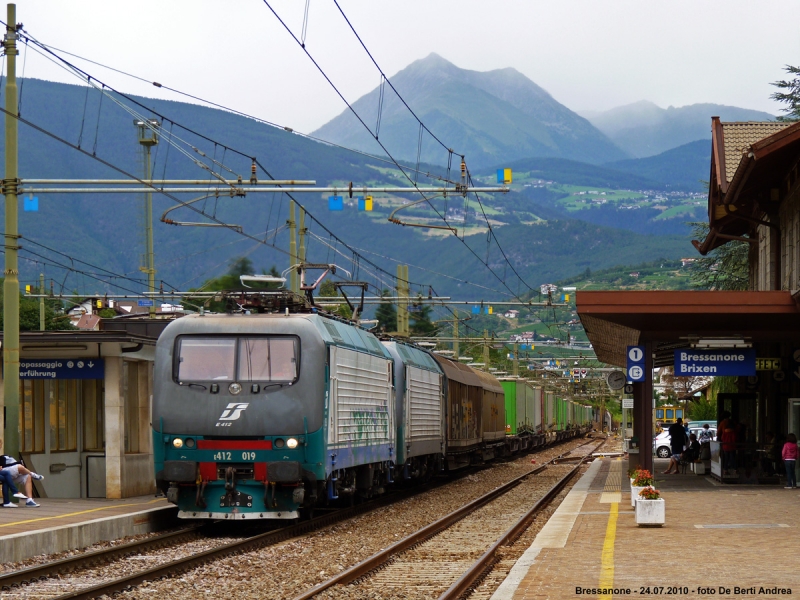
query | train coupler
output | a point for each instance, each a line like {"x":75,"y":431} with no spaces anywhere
{"x":235,"y":499}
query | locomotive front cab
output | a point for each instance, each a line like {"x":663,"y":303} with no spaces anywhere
{"x":231,"y":420}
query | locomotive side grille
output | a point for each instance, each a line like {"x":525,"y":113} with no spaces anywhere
{"x":243,"y":470}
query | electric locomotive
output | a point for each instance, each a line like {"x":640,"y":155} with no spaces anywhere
{"x":261,"y":416}
{"x":266,"y":416}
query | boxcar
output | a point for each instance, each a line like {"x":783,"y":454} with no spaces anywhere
{"x":463,"y":409}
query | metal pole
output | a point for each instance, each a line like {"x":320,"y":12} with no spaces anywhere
{"x":515,"y":371}
{"x":41,"y":302}
{"x":292,"y":248}
{"x":232,"y":191}
{"x":11,"y":273}
{"x":402,"y":307}
{"x":406,"y":292}
{"x":486,"y":350}
{"x":456,"y":346}
{"x":301,"y":231}
{"x":148,"y":210}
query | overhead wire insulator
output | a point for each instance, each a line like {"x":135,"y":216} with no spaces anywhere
{"x":253,"y":178}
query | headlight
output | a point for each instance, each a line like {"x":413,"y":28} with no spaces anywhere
{"x":189,"y":443}
{"x":235,"y":389}
{"x":291,"y":443}
{"x":177,"y":442}
{"x":279,"y":443}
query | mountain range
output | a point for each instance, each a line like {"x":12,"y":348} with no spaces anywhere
{"x":89,"y":233}
{"x":491,"y":117}
{"x":644,"y":129}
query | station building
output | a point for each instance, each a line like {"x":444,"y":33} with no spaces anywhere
{"x":85,"y":403}
{"x":754,"y":198}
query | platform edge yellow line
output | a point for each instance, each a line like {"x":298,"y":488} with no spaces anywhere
{"x":607,"y":558}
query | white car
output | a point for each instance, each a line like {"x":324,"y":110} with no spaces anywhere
{"x":661,"y":445}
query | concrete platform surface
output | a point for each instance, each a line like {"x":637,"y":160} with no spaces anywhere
{"x":725,"y":541}
{"x":65,"y":524}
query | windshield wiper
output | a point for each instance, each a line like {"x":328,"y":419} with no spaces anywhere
{"x":200,"y":385}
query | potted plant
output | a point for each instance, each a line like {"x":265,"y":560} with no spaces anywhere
{"x":642,"y":478}
{"x":651,"y":510}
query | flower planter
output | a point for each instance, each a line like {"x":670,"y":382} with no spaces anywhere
{"x":651,"y":513}
{"x":635,"y":494}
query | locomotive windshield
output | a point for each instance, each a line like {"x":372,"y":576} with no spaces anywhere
{"x":261,"y":358}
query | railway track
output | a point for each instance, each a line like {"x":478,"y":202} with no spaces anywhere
{"x":143,"y":560}
{"x":59,"y":570}
{"x":453,"y":549}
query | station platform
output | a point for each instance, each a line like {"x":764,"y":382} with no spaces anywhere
{"x":66,"y":524}
{"x":725,"y":541}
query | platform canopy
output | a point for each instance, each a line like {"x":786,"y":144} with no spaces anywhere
{"x":672,"y":319}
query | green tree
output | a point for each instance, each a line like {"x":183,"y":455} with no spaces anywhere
{"x":789,"y":94}
{"x":54,"y":317}
{"x":724,"y":268}
{"x":328,"y":290}
{"x":230,"y":282}
{"x":702,"y":410}
{"x":419,"y":321}
{"x":386,"y":314}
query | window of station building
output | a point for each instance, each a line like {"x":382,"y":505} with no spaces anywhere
{"x":94,"y":438}
{"x":130,"y":396}
{"x":32,"y":415}
{"x":63,"y":415}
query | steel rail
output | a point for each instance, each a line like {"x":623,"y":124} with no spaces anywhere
{"x":179,"y":565}
{"x":248,"y":544}
{"x":476,"y":573}
{"x":374,"y":562}
{"x":72,"y":563}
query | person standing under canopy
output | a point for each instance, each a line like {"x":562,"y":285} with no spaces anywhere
{"x":677,"y":442}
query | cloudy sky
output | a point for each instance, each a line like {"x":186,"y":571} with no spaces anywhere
{"x":589,"y":54}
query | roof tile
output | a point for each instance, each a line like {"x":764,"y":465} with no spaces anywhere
{"x":740,"y":136}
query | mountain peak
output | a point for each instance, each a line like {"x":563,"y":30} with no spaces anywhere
{"x":491,"y":116}
{"x":645,"y":129}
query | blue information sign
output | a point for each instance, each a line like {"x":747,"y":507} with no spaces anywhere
{"x":62,"y":368}
{"x":635,"y":363}
{"x":145,"y":303}
{"x":721,"y":361}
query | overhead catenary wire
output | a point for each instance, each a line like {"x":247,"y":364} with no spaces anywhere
{"x":382,"y":145}
{"x":269,"y":123}
{"x":422,"y":125}
{"x":85,"y":76}
{"x":224,"y":107}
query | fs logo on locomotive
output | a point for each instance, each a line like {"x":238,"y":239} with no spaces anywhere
{"x":232,"y":412}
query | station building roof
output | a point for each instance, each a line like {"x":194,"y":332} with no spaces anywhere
{"x":617,"y":319}
{"x":749,"y":163}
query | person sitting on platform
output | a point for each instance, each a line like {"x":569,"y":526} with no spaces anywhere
{"x":8,"y":486}
{"x":677,"y":440}
{"x":692,"y":452}
{"x":21,"y":476}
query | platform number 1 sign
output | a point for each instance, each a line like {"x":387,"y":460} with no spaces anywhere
{"x":635,"y":366}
